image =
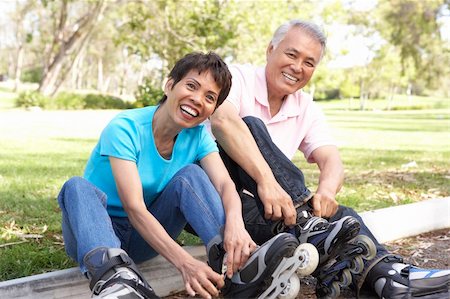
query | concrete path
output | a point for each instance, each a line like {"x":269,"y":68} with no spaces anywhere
{"x":386,"y":224}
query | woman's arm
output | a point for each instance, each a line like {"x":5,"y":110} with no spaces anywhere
{"x":237,"y":241}
{"x":198,"y":277}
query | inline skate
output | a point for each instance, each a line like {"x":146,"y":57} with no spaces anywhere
{"x":114,"y":275}
{"x":338,"y":272}
{"x":391,"y":278}
{"x":270,"y":272}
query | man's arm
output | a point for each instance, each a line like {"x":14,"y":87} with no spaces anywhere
{"x":234,"y":136}
{"x":330,"y":180}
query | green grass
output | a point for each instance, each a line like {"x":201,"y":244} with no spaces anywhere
{"x":39,"y":151}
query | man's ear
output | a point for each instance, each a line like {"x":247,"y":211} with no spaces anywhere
{"x":269,"y":50}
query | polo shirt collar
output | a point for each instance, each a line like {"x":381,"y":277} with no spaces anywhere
{"x":289,"y":108}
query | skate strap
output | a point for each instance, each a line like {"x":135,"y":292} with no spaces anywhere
{"x":121,"y":259}
{"x":125,"y":261}
{"x":145,"y":291}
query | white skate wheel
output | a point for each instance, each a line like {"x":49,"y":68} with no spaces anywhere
{"x":335,"y":290}
{"x":292,"y":288}
{"x":346,"y":278}
{"x":309,"y":257}
{"x":357,"y":265}
{"x":369,"y":246}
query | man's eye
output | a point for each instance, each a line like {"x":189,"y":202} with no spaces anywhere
{"x":290,"y":55}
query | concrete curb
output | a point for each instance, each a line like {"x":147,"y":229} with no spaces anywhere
{"x":386,"y":224}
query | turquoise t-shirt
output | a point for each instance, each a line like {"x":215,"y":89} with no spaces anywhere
{"x":129,"y":136}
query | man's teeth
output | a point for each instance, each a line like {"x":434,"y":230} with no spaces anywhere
{"x":290,"y":77}
{"x":189,"y":111}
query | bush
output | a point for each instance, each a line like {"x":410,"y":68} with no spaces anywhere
{"x":67,"y":100}
{"x":31,"y":99}
{"x":147,"y":94}
{"x":33,"y":75}
{"x":98,"y":101}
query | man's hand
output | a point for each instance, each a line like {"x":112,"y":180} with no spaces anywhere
{"x":200,"y":279}
{"x":324,"y":204}
{"x":277,"y":203}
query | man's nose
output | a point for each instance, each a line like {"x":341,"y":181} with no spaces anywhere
{"x":297,"y":66}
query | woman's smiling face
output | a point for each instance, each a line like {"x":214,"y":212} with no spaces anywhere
{"x":193,"y":99}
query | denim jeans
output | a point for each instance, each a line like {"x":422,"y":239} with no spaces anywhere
{"x":189,"y":197}
{"x":290,"y":178}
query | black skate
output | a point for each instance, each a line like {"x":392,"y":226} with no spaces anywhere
{"x":270,"y":271}
{"x":329,"y":239}
{"x":339,"y":270}
{"x":114,"y":275}
{"x":391,"y":278}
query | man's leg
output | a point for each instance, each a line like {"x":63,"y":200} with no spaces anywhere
{"x":327,"y":237}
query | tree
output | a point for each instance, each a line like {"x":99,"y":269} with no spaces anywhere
{"x":67,"y":38}
{"x":413,"y":27}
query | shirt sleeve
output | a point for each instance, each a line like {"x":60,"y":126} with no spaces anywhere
{"x":235,"y":94}
{"x":206,"y":144}
{"x":119,"y":139}
{"x":318,"y":134}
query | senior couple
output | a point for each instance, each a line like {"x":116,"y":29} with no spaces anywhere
{"x":156,"y":170}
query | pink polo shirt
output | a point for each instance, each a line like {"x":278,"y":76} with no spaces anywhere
{"x":300,"y":123}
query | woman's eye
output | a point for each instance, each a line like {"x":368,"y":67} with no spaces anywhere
{"x":190,"y":86}
{"x":210,"y":98}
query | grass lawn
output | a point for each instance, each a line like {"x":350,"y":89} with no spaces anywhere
{"x":391,"y":158}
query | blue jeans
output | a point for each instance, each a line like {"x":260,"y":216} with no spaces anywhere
{"x":290,"y":178}
{"x":189,"y":197}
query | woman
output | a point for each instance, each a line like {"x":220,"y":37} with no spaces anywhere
{"x":142,"y":185}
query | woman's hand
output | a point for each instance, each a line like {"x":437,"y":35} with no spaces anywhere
{"x":238,"y":244}
{"x":200,"y":279}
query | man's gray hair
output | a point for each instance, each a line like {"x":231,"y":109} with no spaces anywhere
{"x":312,"y":29}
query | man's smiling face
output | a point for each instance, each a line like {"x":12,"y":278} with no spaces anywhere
{"x":291,"y":64}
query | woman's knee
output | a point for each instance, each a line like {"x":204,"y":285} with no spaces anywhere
{"x":192,"y":172}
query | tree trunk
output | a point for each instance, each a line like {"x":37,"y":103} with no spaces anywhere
{"x":18,"y":70}
{"x":49,"y":83}
{"x":100,"y":82}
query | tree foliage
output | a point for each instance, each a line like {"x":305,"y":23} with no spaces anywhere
{"x":115,"y":46}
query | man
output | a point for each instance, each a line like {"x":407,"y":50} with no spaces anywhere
{"x":257,"y":154}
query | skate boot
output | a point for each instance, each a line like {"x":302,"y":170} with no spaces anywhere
{"x":113,"y":274}
{"x":391,"y":278}
{"x":269,"y":272}
{"x":325,"y":236}
{"x":338,"y":272}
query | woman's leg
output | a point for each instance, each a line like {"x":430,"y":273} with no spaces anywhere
{"x":86,"y":224}
{"x":190,"y":198}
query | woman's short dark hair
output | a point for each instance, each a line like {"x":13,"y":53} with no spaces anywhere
{"x":201,"y":62}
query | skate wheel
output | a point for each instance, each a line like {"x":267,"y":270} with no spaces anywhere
{"x":370,"y":250}
{"x":292,"y":288}
{"x":335,"y":290}
{"x":357,"y":265}
{"x":309,"y":257}
{"x":346,"y":278}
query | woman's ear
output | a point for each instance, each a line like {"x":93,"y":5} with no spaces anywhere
{"x":168,"y":86}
